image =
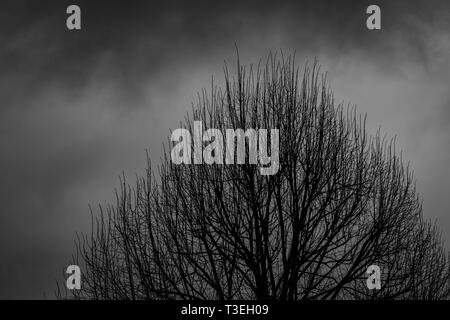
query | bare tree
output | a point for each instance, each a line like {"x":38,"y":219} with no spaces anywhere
{"x":342,"y":200}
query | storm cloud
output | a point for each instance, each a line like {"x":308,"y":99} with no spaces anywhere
{"x":78,"y":108}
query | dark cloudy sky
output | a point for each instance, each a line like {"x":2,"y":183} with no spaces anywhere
{"x":79,"y":107}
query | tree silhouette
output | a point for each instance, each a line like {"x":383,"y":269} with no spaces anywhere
{"x":341,"y":201}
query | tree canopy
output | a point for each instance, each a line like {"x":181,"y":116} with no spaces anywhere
{"x":341,"y":201}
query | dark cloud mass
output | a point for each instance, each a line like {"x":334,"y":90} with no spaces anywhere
{"x":78,"y":108}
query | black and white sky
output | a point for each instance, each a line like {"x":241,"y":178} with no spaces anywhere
{"x":78,"y":108}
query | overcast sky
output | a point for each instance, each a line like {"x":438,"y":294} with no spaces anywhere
{"x":78,"y":108}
